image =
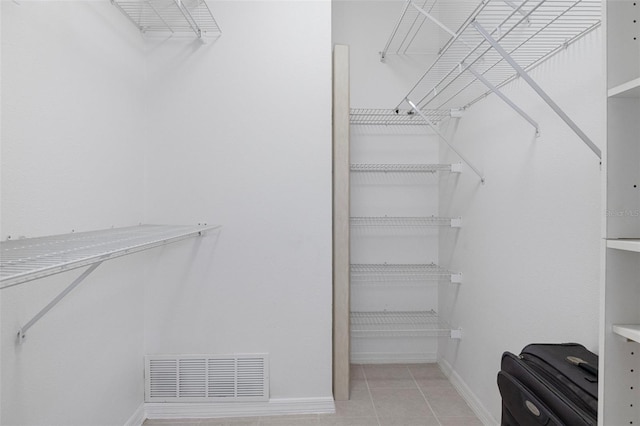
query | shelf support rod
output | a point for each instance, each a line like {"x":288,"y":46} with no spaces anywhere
{"x":23,"y":330}
{"x":433,"y":19}
{"x":522,"y":73}
{"x":504,"y":97}
{"x":383,"y":54}
{"x":439,"y":133}
{"x":189,"y":18}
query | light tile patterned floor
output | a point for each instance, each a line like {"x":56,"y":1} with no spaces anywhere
{"x":381,"y":395}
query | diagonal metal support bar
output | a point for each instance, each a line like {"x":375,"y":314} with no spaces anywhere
{"x":504,"y":97}
{"x":439,"y":133}
{"x":23,"y":330}
{"x":383,"y":54}
{"x":433,"y":19}
{"x":523,"y":74}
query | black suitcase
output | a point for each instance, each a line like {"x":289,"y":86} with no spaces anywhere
{"x":548,"y":385}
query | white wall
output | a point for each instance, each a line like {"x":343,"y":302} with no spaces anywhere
{"x":529,"y":244}
{"x":236,"y":131}
{"x":240,"y":136}
{"x":72,"y":159}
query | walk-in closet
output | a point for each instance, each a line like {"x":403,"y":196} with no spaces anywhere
{"x":313,"y":212}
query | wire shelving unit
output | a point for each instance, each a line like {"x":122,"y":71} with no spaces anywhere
{"x":29,"y":259}
{"x":530,"y":31}
{"x":405,"y":222}
{"x":399,"y":324}
{"x":381,"y":273}
{"x":33,"y":258}
{"x":170,"y":16}
{"x":394,"y":117}
{"x":404,"y":168}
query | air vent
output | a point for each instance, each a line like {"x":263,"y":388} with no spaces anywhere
{"x":193,"y":378}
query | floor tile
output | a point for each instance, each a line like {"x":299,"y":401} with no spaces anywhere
{"x":448,"y":403}
{"x":356,"y":372}
{"x":332,"y":420}
{"x":389,"y":376}
{"x":171,"y":422}
{"x":409,"y":421}
{"x":460,"y":421}
{"x":399,"y":403}
{"x":230,"y":422}
{"x":386,"y":371}
{"x":355,"y":408}
{"x":426,"y":371}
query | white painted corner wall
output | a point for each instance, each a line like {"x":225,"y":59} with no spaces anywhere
{"x":102,"y":128}
{"x":529,"y":247}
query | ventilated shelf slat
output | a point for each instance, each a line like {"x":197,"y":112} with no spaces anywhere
{"x":32,"y":258}
{"x":530,"y":32}
{"x":384,"y":221}
{"x":170,"y":16}
{"x":397,"y":324}
{"x":400,"y":168}
{"x":380,"y":273}
{"x":389,"y":117}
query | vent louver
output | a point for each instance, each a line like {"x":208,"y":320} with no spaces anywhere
{"x":192,"y":378}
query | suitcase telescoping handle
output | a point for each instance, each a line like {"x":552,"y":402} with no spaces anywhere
{"x":583,"y":364}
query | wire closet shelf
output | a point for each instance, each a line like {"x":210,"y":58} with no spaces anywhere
{"x":529,"y":30}
{"x":380,"y":273}
{"x":170,"y":16}
{"x":33,"y":258}
{"x":416,"y":221}
{"x":394,"y":117}
{"x":398,"y":324}
{"x":401,"y":168}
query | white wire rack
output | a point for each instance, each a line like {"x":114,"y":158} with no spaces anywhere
{"x":32,"y":258}
{"x":530,"y":31}
{"x":403,"y":168}
{"x":170,"y":16}
{"x":381,"y":273}
{"x":389,"y":117}
{"x":408,"y":222}
{"x":398,"y":324}
{"x":413,"y":24}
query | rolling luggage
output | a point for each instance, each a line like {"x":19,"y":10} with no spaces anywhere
{"x":549,"y":384}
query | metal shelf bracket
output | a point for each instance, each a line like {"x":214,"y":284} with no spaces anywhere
{"x":525,"y":76}
{"x":23,"y":330}
{"x":439,"y":133}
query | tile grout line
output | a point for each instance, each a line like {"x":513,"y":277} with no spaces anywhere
{"x":373,"y":404}
{"x":425,"y":397}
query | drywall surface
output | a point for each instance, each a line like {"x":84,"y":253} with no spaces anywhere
{"x":529,"y":243}
{"x":72,"y":159}
{"x":240,"y":136}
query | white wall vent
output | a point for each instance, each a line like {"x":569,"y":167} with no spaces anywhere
{"x":195,"y":378}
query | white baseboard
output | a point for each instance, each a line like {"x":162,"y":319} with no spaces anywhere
{"x":138,"y":417}
{"x":463,"y":389}
{"x":273,"y":407}
{"x":392,"y":358}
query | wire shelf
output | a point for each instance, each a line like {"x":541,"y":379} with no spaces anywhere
{"x":401,"y":168}
{"x":530,"y":31}
{"x":404,"y":221}
{"x":172,"y":16}
{"x":380,"y":273}
{"x":33,"y":258}
{"x":390,"y":117}
{"x":398,"y":324}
